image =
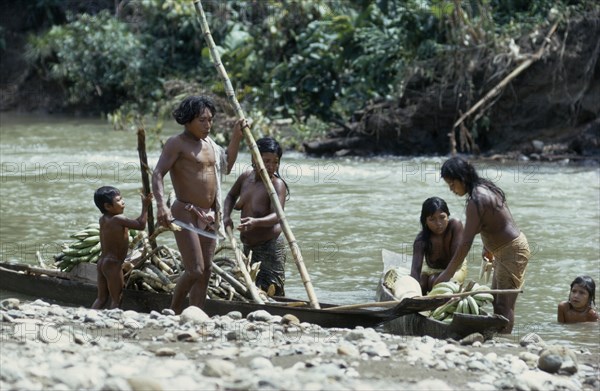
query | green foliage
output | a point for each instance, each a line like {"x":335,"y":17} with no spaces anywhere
{"x":97,"y":58}
{"x":312,"y":60}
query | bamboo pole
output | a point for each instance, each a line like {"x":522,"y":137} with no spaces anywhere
{"x":230,"y":279}
{"x":242,"y":265}
{"x":295,"y":249}
{"x":393,"y":303}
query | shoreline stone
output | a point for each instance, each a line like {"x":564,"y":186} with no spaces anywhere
{"x":52,"y":347}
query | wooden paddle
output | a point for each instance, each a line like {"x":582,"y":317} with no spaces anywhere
{"x":295,"y":249}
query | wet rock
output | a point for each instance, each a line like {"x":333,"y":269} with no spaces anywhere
{"x":259,"y":316}
{"x":432,"y":385}
{"x":167,"y":312}
{"x":556,"y":358}
{"x":375,"y":349}
{"x":472,"y":338}
{"x":187,"y":336}
{"x":5,"y":317}
{"x":235,"y":315}
{"x":92,"y":316}
{"x":260,"y":363}
{"x":193,"y":315}
{"x":359,"y":334}
{"x":529,"y":358}
{"x":144,"y":384}
{"x":218,"y":368}
{"x":532,"y":339}
{"x":346,"y":349}
{"x":165,"y":352}
{"x":116,"y":384}
{"x":290,"y":319}
{"x":538,"y":146}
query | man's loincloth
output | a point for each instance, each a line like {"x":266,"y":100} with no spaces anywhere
{"x":459,"y":275}
{"x":204,"y":218}
{"x":510,"y":261}
{"x":272,"y":258}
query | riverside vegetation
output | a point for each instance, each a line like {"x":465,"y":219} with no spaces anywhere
{"x":371,"y":77}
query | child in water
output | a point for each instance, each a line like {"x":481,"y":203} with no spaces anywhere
{"x":436,"y":243}
{"x":581,"y":303}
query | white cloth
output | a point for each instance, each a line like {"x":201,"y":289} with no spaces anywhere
{"x":221,"y":161}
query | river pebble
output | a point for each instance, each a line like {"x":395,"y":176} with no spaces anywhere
{"x":48,"y":347}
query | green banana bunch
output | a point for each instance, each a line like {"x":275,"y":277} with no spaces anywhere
{"x":85,"y":248}
{"x":466,"y":305}
{"x":445,"y":288}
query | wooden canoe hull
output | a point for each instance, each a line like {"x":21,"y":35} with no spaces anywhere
{"x":65,"y":291}
{"x":417,"y":324}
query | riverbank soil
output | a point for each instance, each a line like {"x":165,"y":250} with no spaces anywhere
{"x":549,"y":111}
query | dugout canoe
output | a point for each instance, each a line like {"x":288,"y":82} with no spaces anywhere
{"x":419,"y":324}
{"x":62,"y":288}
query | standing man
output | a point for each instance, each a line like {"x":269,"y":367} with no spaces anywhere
{"x":195,"y":164}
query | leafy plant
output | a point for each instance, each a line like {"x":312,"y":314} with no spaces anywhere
{"x":96,"y":58}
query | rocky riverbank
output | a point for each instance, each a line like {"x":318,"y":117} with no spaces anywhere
{"x":62,"y":348}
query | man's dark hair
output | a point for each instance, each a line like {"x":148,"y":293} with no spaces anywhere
{"x":191,"y":107}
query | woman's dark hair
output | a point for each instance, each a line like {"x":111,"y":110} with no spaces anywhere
{"x":191,"y":107}
{"x":457,"y":168}
{"x":588,"y":283}
{"x":430,"y":206}
{"x":270,"y":145}
{"x":105,"y":195}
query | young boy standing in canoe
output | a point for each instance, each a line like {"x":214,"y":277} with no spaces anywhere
{"x":195,"y":164}
{"x":260,"y":231}
{"x":114,"y":239}
{"x":503,"y":242}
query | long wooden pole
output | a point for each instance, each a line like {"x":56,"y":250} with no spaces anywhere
{"x":141,"y":138}
{"x":295,"y":249}
{"x":393,"y":303}
{"x":240,"y":261}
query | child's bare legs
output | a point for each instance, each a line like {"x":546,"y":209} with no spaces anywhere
{"x":112,"y":269}
{"x":196,"y":254}
{"x":102,"y":287}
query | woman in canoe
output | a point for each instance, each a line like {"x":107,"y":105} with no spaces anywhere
{"x":438,"y":240}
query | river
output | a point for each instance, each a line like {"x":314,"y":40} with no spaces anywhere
{"x":342,"y":211}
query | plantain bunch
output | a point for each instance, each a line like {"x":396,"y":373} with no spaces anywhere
{"x":151,"y":268}
{"x":85,"y":248}
{"x":470,"y":304}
